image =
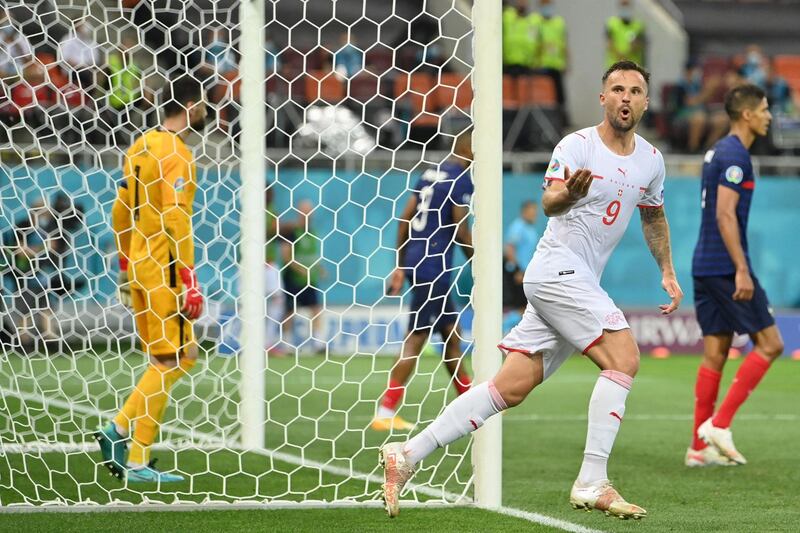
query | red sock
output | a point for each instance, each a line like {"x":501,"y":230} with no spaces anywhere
{"x":393,"y":394}
{"x":705,"y":396}
{"x":462,"y":383}
{"x":750,"y":373}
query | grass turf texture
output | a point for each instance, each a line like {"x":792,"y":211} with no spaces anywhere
{"x":333,"y":400}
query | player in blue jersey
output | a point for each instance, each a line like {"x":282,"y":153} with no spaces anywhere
{"x":728,"y":296}
{"x":433,"y":221}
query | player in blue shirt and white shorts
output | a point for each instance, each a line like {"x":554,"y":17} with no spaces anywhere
{"x":728,"y":297}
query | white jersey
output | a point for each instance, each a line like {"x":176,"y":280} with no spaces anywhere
{"x":579,"y":243}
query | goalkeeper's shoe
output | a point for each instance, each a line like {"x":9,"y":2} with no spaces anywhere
{"x":397,"y":470}
{"x":114,"y":448}
{"x":603,"y":497}
{"x":395,"y":423}
{"x":722,"y":440}
{"x":708,"y":456}
{"x":149,"y":474}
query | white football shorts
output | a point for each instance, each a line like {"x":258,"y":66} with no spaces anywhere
{"x":562,"y":317}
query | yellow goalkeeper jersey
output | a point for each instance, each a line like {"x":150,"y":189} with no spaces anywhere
{"x":159,"y":184}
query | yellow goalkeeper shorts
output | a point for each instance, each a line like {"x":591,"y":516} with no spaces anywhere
{"x":161,"y":328}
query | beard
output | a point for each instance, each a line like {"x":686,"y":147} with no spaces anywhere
{"x":198,"y":125}
{"x":623,"y":126}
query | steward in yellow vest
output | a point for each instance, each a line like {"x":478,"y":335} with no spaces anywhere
{"x":520,"y":37}
{"x":625,"y":37}
{"x":125,"y":80}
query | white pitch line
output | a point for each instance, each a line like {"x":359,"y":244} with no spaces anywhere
{"x":286,"y":458}
{"x":545,"y":520}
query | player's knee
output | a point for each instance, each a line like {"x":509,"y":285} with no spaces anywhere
{"x":514,"y":397}
{"x":628,"y":363}
{"x":771,"y":349}
{"x":715,"y":361}
{"x":515,"y":393}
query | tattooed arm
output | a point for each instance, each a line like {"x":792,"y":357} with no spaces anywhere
{"x":656,"y":234}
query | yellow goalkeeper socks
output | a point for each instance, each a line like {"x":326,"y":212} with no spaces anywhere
{"x":154,"y":390}
{"x":124,"y":418}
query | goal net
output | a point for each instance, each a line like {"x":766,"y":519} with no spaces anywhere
{"x":360,"y":99}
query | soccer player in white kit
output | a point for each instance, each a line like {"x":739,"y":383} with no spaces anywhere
{"x":596,"y":178}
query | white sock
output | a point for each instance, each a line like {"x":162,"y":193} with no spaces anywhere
{"x":385,"y":412}
{"x":122,"y":431}
{"x":606,"y":409}
{"x":464,"y":415}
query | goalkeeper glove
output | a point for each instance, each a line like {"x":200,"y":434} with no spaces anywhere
{"x":192,"y":297}
{"x":124,"y":284}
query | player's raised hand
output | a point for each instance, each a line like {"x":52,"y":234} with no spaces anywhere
{"x":673,"y":290}
{"x":192,"y":297}
{"x":578,"y":183}
{"x":396,"y":282}
{"x":744,"y":286}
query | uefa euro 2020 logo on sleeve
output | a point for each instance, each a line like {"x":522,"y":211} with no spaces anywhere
{"x":554,"y":167}
{"x":734,"y":174}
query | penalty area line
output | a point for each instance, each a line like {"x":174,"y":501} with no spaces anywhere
{"x":455,"y":499}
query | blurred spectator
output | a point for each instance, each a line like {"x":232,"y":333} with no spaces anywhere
{"x":276,"y":300}
{"x":301,"y":273}
{"x":757,"y":70}
{"x":754,"y":69}
{"x":521,"y":239}
{"x":15,"y":50}
{"x":273,"y":64}
{"x":219,"y":58}
{"x":129,"y":100}
{"x":625,"y":36}
{"x":68,"y":224}
{"x":432,"y":58}
{"x":779,"y":94}
{"x":218,"y":71}
{"x":554,"y":52}
{"x":694,"y":112}
{"x":348,"y":60}
{"x":28,"y":256}
{"x":33,"y":100}
{"x":520,"y":38}
{"x":124,"y":75}
{"x":81,"y":53}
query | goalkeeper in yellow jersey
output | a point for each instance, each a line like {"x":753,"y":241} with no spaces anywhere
{"x":152,"y":220}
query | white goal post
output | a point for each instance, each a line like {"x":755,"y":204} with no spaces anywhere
{"x":488,"y":177}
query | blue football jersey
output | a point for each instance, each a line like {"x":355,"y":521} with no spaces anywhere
{"x":429,"y":250}
{"x":727,"y":164}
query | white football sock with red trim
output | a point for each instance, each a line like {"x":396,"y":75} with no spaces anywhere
{"x":464,"y":415}
{"x":606,"y":409}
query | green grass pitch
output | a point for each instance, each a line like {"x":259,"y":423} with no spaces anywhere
{"x":318,"y":412}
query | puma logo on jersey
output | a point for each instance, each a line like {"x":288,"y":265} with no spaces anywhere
{"x":622,"y":171}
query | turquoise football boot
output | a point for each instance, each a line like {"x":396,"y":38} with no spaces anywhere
{"x":114,"y":449}
{"x":149,"y":474}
